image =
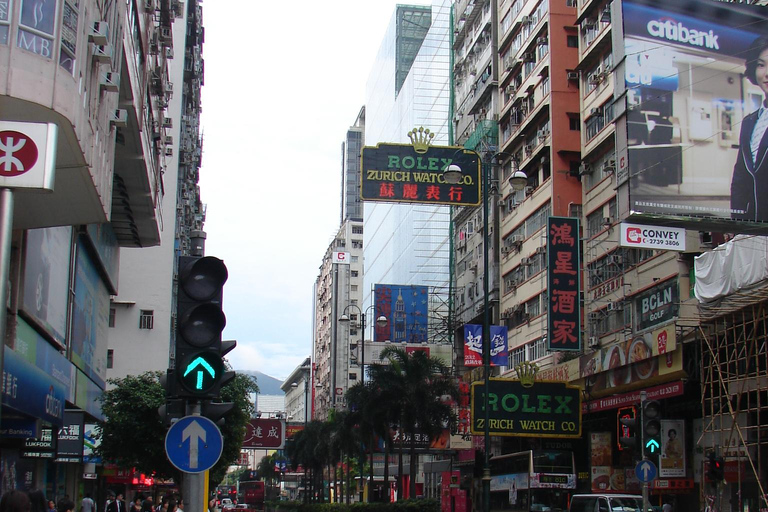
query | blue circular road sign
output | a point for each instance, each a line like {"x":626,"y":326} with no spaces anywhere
{"x":194,"y":444}
{"x":646,"y":471}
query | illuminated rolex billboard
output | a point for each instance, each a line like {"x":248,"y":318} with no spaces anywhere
{"x":694,"y":86}
{"x":414,"y":173}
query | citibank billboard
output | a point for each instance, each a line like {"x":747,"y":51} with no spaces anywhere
{"x":694,"y":156}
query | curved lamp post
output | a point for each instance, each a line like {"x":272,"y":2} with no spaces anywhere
{"x":381,"y":321}
{"x":518,"y":180}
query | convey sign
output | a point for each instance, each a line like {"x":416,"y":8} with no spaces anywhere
{"x":652,"y":237}
{"x":341,"y":258}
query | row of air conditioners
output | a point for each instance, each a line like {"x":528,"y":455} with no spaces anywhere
{"x":598,"y":75}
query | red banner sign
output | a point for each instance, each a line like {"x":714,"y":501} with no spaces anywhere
{"x":265,"y":433}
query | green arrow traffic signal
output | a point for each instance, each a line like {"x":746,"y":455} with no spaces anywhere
{"x":201,"y":371}
{"x":652,"y":446}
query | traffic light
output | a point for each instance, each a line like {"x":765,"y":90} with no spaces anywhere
{"x":715,"y":468}
{"x":627,"y":434}
{"x":200,"y":370}
{"x":651,"y":428}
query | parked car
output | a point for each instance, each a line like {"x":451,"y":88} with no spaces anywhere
{"x":606,"y":503}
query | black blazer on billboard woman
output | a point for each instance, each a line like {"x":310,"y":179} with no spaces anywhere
{"x":749,"y":184}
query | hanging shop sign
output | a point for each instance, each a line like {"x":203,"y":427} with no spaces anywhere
{"x":413,"y":173}
{"x":541,"y":409}
{"x":564,"y":317}
{"x":658,"y":305}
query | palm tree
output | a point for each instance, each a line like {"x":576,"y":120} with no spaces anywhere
{"x":421,"y":382}
{"x":309,"y":450}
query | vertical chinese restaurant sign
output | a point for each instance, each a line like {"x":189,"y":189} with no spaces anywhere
{"x":473,"y":345}
{"x":564,"y":284}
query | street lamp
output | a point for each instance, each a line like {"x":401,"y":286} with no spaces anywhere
{"x":452,"y":175}
{"x":381,"y":321}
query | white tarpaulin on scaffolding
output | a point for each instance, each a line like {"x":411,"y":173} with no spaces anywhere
{"x":735,"y":265}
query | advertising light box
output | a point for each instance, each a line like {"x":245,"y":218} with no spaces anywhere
{"x":692,"y":102}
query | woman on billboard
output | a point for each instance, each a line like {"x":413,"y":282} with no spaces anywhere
{"x":750,"y":174}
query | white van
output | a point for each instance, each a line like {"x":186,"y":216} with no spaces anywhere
{"x":606,"y":503}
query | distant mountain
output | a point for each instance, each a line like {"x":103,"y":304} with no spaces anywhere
{"x":267,"y":385}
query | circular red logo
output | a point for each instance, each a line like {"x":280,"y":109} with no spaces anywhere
{"x":18,"y":153}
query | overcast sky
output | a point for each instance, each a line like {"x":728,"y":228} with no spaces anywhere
{"x":283,"y":83}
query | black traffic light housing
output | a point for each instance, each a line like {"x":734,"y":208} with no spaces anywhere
{"x":715,"y":468}
{"x":200,"y":370}
{"x":651,"y":428}
{"x":628,"y":434}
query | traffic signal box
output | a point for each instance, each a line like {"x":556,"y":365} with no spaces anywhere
{"x":628,"y":436}
{"x":200,"y":320}
{"x":651,"y":429}
{"x":715,"y":468}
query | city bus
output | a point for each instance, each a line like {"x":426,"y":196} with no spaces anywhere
{"x":532,"y":481}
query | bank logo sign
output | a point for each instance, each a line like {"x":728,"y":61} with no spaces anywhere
{"x":641,"y":236}
{"x":545,"y":409}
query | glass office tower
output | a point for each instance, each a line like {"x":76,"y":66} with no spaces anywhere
{"x":408,"y":88}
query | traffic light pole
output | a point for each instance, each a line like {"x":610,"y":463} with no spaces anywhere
{"x":646,"y":500}
{"x":193,"y":487}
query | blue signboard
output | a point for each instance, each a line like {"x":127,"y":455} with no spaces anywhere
{"x":194,"y":444}
{"x":30,"y":390}
{"x":646,"y":471}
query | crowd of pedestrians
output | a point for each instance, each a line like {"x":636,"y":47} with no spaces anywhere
{"x":35,"y":501}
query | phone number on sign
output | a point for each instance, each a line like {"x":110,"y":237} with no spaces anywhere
{"x":663,"y":243}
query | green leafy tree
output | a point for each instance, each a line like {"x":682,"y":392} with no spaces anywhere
{"x":133,"y":435}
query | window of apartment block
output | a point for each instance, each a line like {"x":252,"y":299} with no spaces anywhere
{"x":516,"y":356}
{"x":37,"y":24}
{"x":357,"y":230}
{"x":357,"y":244}
{"x":354,"y":273}
{"x":110,"y":358}
{"x":112,"y":315}
{"x":537,"y":349}
{"x":572,"y":41}
{"x":147,"y":319}
{"x":354,"y":287}
{"x":352,"y":376}
{"x":354,"y":259}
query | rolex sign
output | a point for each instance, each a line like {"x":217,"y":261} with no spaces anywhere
{"x":538,"y":409}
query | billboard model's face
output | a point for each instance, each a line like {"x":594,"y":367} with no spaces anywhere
{"x":761,"y":72}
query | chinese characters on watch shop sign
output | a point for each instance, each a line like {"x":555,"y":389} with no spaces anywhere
{"x":401,"y":174}
{"x":563,"y":281}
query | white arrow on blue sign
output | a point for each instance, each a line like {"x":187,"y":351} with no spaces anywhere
{"x":194,"y":444}
{"x":645,"y":471}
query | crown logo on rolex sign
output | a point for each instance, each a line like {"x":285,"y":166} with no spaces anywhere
{"x":526,"y":372}
{"x":421,"y":138}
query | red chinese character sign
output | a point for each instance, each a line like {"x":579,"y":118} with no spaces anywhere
{"x":27,"y":155}
{"x":564,"y":284}
{"x":265,"y":433}
{"x":413,"y":173}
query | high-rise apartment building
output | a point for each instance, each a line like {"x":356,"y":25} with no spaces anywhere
{"x":103,"y":75}
{"x":337,"y":347}
{"x":142,"y":313}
